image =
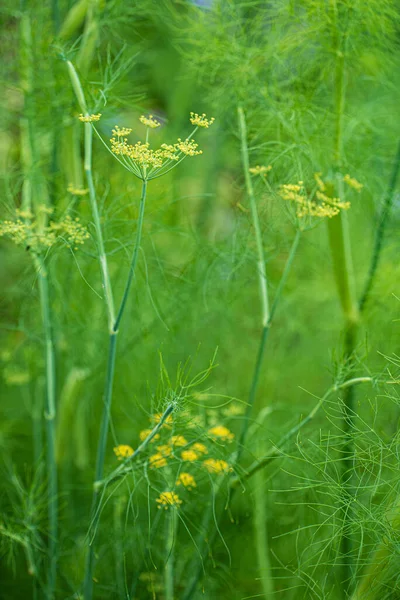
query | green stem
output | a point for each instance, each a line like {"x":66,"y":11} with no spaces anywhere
{"x":380,"y":231}
{"x":170,"y":541}
{"x":114,"y":322}
{"x":134,"y":258}
{"x":50,"y":416}
{"x":340,"y":243}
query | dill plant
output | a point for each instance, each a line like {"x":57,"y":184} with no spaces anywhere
{"x":198,"y":280}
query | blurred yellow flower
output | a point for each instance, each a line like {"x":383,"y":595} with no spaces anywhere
{"x":167,"y":499}
{"x":123,"y":451}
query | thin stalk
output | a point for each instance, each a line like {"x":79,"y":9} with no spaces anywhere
{"x":134,"y":258}
{"x":170,"y":541}
{"x":340,"y":244}
{"x":278,"y":449}
{"x":33,"y":190}
{"x":260,"y":526}
{"x":113,"y":321}
{"x":50,"y":416}
{"x":380,"y":230}
{"x":262,"y":278}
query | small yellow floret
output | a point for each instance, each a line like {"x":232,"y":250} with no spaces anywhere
{"x":145,"y":434}
{"x":157,"y":418}
{"x":260,"y":170}
{"x":167,"y":499}
{"x":214,"y":465}
{"x":157,"y":461}
{"x":201,"y":120}
{"x":89,"y":118}
{"x":149,"y":121}
{"x":123,"y":451}
{"x":77,"y":191}
{"x":200,"y":448}
{"x":353,"y":183}
{"x":178,"y":440}
{"x":187,"y":480}
{"x":189,"y":455}
{"x":165,"y":450}
{"x":188,"y":147}
{"x":221,"y":433}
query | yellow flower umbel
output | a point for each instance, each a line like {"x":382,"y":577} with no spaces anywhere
{"x":145,"y":434}
{"x":39,"y":238}
{"x":89,"y":118}
{"x":306,"y":206}
{"x":260,"y":170}
{"x":353,"y":183}
{"x":221,"y":433}
{"x":149,"y":121}
{"x":145,"y":162}
{"x":178,"y":440}
{"x":214,"y":465}
{"x":157,"y":461}
{"x":165,"y":450}
{"x":187,"y":480}
{"x":189,"y":455}
{"x":199,"y":448}
{"x":157,"y":418}
{"x":168,"y":499}
{"x":201,"y":120}
{"x":123,"y":451}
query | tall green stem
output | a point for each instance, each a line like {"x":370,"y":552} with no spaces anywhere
{"x":170,"y":541}
{"x":50,"y":416}
{"x":113,"y":321}
{"x":340,"y":244}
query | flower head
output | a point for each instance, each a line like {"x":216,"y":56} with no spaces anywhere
{"x":89,"y":118}
{"x":214,"y":465}
{"x":260,"y":170}
{"x":149,"y":121}
{"x":123,"y":451}
{"x":305,"y":206}
{"x":178,"y":440}
{"x":187,"y":480}
{"x":356,"y":185}
{"x":157,"y":461}
{"x":201,"y":120}
{"x":165,"y":450}
{"x":167,"y":499}
{"x":157,"y":418}
{"x":199,"y":448}
{"x":189,"y":455}
{"x":221,"y":433}
{"x":145,"y":434}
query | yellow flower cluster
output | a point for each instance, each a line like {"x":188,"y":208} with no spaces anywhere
{"x":201,"y":120}
{"x":145,"y":434}
{"x":320,"y":183}
{"x":123,"y":451}
{"x":157,"y":418}
{"x":157,"y":461}
{"x":189,"y":455}
{"x":260,"y":170}
{"x":77,"y":191}
{"x":22,"y":233}
{"x":89,"y":118}
{"x":326,"y":207}
{"x":221,"y":433}
{"x":214,"y":465}
{"x":187,"y":480}
{"x":199,"y":448}
{"x":149,"y":121}
{"x":167,"y":499}
{"x":353,"y":183}
{"x":188,"y":147}
{"x":179,"y":440}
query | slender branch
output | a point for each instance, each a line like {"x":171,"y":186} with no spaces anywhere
{"x":380,"y":230}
